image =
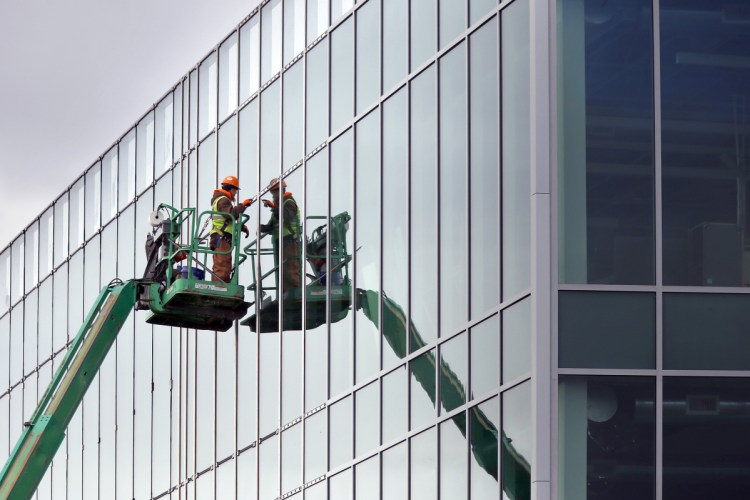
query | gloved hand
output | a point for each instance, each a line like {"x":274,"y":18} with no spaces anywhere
{"x":245,"y":230}
{"x":268,"y":203}
{"x":247,"y":202}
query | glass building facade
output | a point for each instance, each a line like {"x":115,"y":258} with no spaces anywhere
{"x":546,"y":215}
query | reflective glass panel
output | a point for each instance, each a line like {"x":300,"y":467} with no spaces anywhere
{"x":478,"y":8}
{"x":516,"y":453}
{"x":342,"y":74}
{"x":46,"y":235}
{"x":317,"y":18}
{"x":485,"y":168}
{"x":4,"y":281}
{"x":249,"y":57}
{"x":395,"y":401}
{"x":270,"y":133}
{"x":368,"y":54}
{"x":485,"y":356}
{"x":77,"y":222}
{"x":606,"y":219}
{"x":207,"y":95}
{"x":424,"y":210}
{"x":249,"y":146}
{"x":293,"y":118}
{"x":395,"y":42}
{"x":163,"y":135}
{"x":60,"y":240}
{"x":18,"y":257}
{"x":423,"y":465}
{"x":423,"y":31}
{"x":268,"y":468}
{"x":193,"y":105}
{"x":606,"y":423}
{"x":422,"y":380}
{"x":291,"y":458}
{"x":109,"y":185}
{"x":516,"y":340}
{"x":228,"y":77}
{"x":315,"y":445}
{"x":367,"y":421}
{"x":452,"y":19}
{"x":454,"y":263}
{"x":338,"y":7}
{"x":93,"y":206}
{"x":516,"y":177}
{"x":269,"y":383}
{"x":604,"y":330}
{"x":454,"y":372}
{"x":145,"y":153}
{"x":31,"y":255}
{"x":395,"y":472}
{"x":317,"y":95}
{"x":453,"y":465}
{"x":705,"y":120}
{"x":270,"y":40}
{"x":294,"y":28}
{"x":340,"y":436}
{"x":367,"y":248}
{"x":340,"y":486}
{"x":484,"y":422}
{"x":228,"y":153}
{"x":367,"y":479}
{"x":126,"y":165}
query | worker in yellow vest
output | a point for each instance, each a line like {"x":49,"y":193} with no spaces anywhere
{"x":220,"y":238}
{"x":289,"y":242}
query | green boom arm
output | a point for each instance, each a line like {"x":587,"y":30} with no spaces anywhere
{"x":45,"y":430}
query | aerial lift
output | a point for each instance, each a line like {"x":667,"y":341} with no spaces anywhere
{"x":175,"y":293}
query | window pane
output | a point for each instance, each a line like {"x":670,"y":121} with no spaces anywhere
{"x":454,"y":373}
{"x":453,"y":191}
{"x":126,"y":165}
{"x":395,"y":472}
{"x":478,"y":8}
{"x":606,"y":134}
{"x":340,"y":486}
{"x":342,"y":74}
{"x":340,"y":441}
{"x":249,"y":57}
{"x":423,"y":466}
{"x":704,"y":134}
{"x":484,"y":421}
{"x":77,"y":222}
{"x":268,"y":469}
{"x":395,"y":226}
{"x":270,"y":130}
{"x":395,"y":42}
{"x":109,"y":185}
{"x":367,"y":248}
{"x":93,"y":200}
{"x":317,"y":95}
{"x":249,"y":146}
{"x":606,"y":423}
{"x":485,"y":356}
{"x":293,"y":119}
{"x":516,"y":454}
{"x":291,"y":368}
{"x":271,"y":40}
{"x":269,"y":383}
{"x":607,"y":330}
{"x":485,"y":169}
{"x":368,"y":54}
{"x":228,"y":154}
{"x":423,"y":31}
{"x":317,"y":18}
{"x":367,"y":479}
{"x":5,"y":270}
{"x":516,"y":180}
{"x":367,"y":418}
{"x":207,"y":100}
{"x":178,"y":128}
{"x":422,"y":380}
{"x":145,"y":153}
{"x":294,"y":28}
{"x":61,"y":229}
{"x":228,"y":78}
{"x":705,"y":438}
{"x":31,"y":256}
{"x":164,"y":135}
{"x":424,"y":209}
{"x":193,"y":125}
{"x":46,"y":234}
{"x":706,"y":332}
{"x":315,"y":445}
{"x":453,"y":457}
{"x":395,"y":400}
{"x":338,"y":7}
{"x":452,"y":20}
{"x":291,"y":458}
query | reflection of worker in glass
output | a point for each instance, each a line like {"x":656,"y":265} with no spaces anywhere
{"x":222,"y":225}
{"x":290,"y":232}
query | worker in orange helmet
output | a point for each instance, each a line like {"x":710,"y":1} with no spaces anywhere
{"x":289,"y":234}
{"x":222,"y":225}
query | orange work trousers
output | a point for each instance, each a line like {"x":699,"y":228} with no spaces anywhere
{"x":222,"y":261}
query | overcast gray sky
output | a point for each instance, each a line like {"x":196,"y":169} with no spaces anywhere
{"x":76,"y":74}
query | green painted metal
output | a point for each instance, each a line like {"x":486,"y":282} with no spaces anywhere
{"x":45,"y":430}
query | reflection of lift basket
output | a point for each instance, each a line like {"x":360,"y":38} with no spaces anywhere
{"x":316,"y":309}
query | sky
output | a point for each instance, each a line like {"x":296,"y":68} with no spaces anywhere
{"x":76,"y":74}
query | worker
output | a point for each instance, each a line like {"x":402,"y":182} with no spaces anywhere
{"x":289,"y":235}
{"x":222,"y":229}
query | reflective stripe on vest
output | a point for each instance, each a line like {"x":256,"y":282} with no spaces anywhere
{"x":219,"y":223}
{"x":291,"y":228}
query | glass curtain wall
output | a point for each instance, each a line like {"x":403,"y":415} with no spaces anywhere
{"x":390,"y":352}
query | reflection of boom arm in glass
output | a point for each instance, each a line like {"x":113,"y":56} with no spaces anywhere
{"x":484,"y":434}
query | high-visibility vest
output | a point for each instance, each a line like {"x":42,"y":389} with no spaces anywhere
{"x":291,"y":227}
{"x":219,"y":223}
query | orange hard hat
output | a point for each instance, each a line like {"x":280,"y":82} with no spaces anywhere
{"x":231,"y":180}
{"x":274,"y":184}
